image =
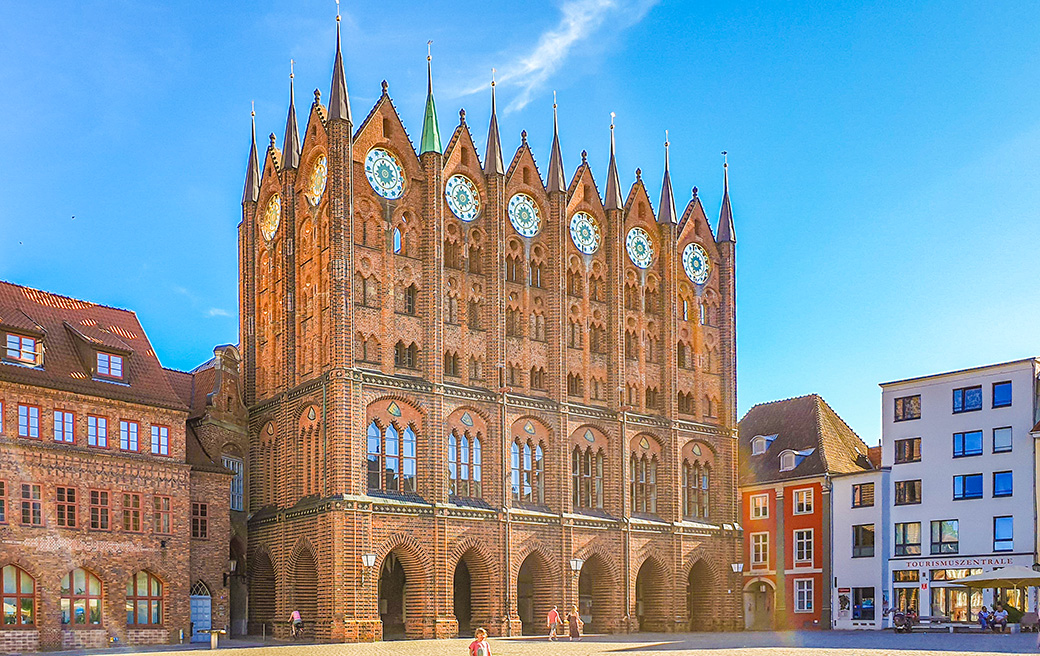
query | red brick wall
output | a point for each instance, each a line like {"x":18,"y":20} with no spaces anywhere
{"x":309,"y":406}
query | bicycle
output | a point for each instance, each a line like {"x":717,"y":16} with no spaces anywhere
{"x":296,"y":630}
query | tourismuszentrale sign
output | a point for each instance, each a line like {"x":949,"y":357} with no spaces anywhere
{"x":944,"y":563}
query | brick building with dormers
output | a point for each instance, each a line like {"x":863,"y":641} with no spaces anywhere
{"x":474,"y":394}
{"x":789,"y":452}
{"x":114,"y":520}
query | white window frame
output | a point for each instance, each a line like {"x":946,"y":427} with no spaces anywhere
{"x":765,"y":506}
{"x":762,"y":563}
{"x":788,"y":457}
{"x":808,"y":492}
{"x":759,"y":446}
{"x":804,"y":590}
{"x":237,"y":481}
{"x":803,"y":538}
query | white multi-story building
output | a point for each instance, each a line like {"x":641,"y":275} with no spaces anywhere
{"x":961,"y":484}
{"x":860,"y":508}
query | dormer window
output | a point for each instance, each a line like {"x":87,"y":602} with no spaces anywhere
{"x":109,"y":365}
{"x":761,"y":443}
{"x":22,"y":349}
{"x":787,"y":461}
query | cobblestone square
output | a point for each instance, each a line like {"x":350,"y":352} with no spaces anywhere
{"x":815,"y":643}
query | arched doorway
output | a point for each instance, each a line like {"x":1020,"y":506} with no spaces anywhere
{"x":463,"y":599}
{"x":261,"y":594}
{"x":534,"y":594}
{"x":758,"y":606}
{"x":391,"y":597}
{"x":595,"y":593}
{"x":699,"y":586}
{"x":305,"y":588}
{"x":651,"y":596}
{"x":472,"y":590}
{"x":201,"y":605}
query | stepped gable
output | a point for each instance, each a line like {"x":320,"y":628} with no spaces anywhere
{"x":71,"y":331}
{"x":804,"y":423}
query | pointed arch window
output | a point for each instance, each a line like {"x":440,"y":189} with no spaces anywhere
{"x":391,"y":458}
{"x":398,"y":241}
{"x":536,"y":274}
{"x":80,"y":598}
{"x":696,"y":483}
{"x":514,"y":271}
{"x":587,"y":477}
{"x":643,"y":483}
{"x":464,"y":464}
{"x":596,"y":288}
{"x":476,"y":264}
{"x":473,"y":318}
{"x":527,"y":471}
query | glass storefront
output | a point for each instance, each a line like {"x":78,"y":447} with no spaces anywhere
{"x":907,"y":599}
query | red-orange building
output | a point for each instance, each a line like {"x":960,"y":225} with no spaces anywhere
{"x":788,"y":451}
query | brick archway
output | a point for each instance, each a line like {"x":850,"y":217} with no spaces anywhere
{"x":303,"y":575}
{"x":653,"y":590}
{"x":403,"y":584}
{"x":262,"y":591}
{"x":599,"y":598}
{"x":534,"y":588}
{"x":702,"y":582}
{"x":472,"y":557}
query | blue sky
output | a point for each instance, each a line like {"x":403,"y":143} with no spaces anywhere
{"x":885,"y":156}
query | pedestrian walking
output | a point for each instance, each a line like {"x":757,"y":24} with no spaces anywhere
{"x":479,"y":646}
{"x":574,"y":624}
{"x":553,"y":620}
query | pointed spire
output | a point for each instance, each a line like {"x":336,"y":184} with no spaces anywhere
{"x":725,"y":231}
{"x":613,"y":199}
{"x":291,"y":144}
{"x":667,"y":212}
{"x":493,"y":154}
{"x":431,"y":134}
{"x":556,"y":181}
{"x":251,"y":193}
{"x":339,"y":100}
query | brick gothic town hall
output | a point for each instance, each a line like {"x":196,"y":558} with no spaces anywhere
{"x":473,"y":395}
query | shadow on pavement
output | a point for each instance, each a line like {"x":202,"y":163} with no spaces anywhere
{"x":836,"y":640}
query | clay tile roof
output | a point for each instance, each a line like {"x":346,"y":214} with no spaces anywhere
{"x":95,"y":335}
{"x":181,"y":382}
{"x":806,"y":425}
{"x":71,"y":330}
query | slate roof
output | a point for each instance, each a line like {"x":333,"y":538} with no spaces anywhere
{"x":801,"y":424}
{"x":72,"y":330}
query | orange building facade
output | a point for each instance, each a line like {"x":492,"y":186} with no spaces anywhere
{"x":789,"y":450}
{"x":475,"y":393}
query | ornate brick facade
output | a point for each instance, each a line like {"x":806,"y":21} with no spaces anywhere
{"x":387,"y":343}
{"x":101,"y":465}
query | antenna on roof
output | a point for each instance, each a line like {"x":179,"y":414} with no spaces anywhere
{"x":492,"y":77}
{"x":337,"y":10}
{"x":291,"y":73}
{"x":429,"y":56}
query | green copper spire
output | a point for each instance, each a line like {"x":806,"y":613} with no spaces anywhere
{"x":431,"y":134}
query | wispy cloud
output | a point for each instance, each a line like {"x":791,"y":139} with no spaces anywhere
{"x":580,"y":21}
{"x":218,"y":312}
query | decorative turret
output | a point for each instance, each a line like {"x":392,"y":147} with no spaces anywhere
{"x":291,"y":143}
{"x":339,"y":101}
{"x":431,"y":134}
{"x":493,"y":154}
{"x":251,"y":193}
{"x":725,"y":230}
{"x":556,"y":181}
{"x":613,"y":200}
{"x":667,"y":212}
